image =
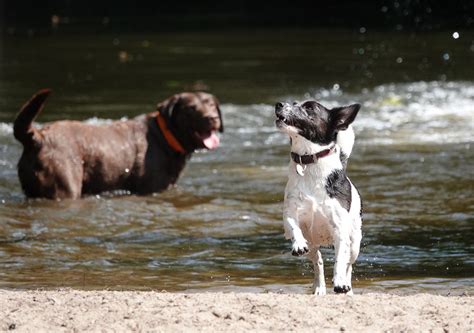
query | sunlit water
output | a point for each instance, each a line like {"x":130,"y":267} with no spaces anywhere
{"x":221,"y":228}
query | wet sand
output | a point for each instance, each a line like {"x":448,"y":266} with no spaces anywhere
{"x":72,"y":310}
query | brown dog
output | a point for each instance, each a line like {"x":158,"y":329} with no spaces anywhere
{"x":146,"y":154}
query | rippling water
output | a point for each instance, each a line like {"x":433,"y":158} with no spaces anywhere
{"x":221,"y":228}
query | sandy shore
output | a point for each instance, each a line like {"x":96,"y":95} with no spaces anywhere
{"x":71,"y":310}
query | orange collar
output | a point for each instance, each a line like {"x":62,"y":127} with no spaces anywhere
{"x":169,"y":137}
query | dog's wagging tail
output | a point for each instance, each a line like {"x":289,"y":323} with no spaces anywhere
{"x":22,"y":129}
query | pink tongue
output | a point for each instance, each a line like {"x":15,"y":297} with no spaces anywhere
{"x":212,"y":141}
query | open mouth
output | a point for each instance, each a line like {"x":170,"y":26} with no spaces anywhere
{"x":280,"y":121}
{"x":209,"y":139}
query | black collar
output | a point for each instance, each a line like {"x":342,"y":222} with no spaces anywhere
{"x":313,"y":158}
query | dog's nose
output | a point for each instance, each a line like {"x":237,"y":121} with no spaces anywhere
{"x":281,"y":107}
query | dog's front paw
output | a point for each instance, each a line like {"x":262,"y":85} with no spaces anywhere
{"x":300,"y":248}
{"x":344,"y":289}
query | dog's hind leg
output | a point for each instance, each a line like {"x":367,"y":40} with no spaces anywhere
{"x":342,"y":264}
{"x":65,"y":177}
{"x":349,"y":278}
{"x":319,"y":285}
{"x":355,"y":247}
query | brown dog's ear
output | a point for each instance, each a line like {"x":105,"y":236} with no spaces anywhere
{"x":344,"y":116}
{"x":221,"y":128}
{"x":167,"y":106}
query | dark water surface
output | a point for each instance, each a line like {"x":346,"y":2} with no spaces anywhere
{"x":221,"y":228}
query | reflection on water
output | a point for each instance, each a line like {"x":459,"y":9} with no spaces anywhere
{"x":221,"y":229}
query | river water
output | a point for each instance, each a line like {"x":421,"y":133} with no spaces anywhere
{"x":221,"y":228}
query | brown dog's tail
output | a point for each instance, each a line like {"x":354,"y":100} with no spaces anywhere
{"x":22,"y":129}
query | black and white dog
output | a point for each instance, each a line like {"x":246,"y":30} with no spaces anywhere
{"x":322,"y":207}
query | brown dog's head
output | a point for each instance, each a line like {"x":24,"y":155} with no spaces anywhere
{"x":193,"y":118}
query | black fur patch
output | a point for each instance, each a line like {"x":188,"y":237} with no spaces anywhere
{"x":310,"y":118}
{"x":342,"y":289}
{"x":339,"y":187}
{"x":315,"y":122}
{"x":343,"y":157}
{"x":361,"y":204}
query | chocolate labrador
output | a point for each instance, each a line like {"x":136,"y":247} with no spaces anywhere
{"x":146,"y":154}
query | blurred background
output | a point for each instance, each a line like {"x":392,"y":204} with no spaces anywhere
{"x":408,"y":62}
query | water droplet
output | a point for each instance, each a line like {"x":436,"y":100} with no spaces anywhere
{"x":336,"y":86}
{"x":446,"y":56}
{"x":399,"y":60}
{"x":455,"y":35}
{"x":362,"y":30}
{"x":123,"y":56}
{"x":55,"y":20}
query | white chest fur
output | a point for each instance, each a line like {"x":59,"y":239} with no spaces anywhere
{"x":308,"y":198}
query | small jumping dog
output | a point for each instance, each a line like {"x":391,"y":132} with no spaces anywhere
{"x":322,"y":207}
